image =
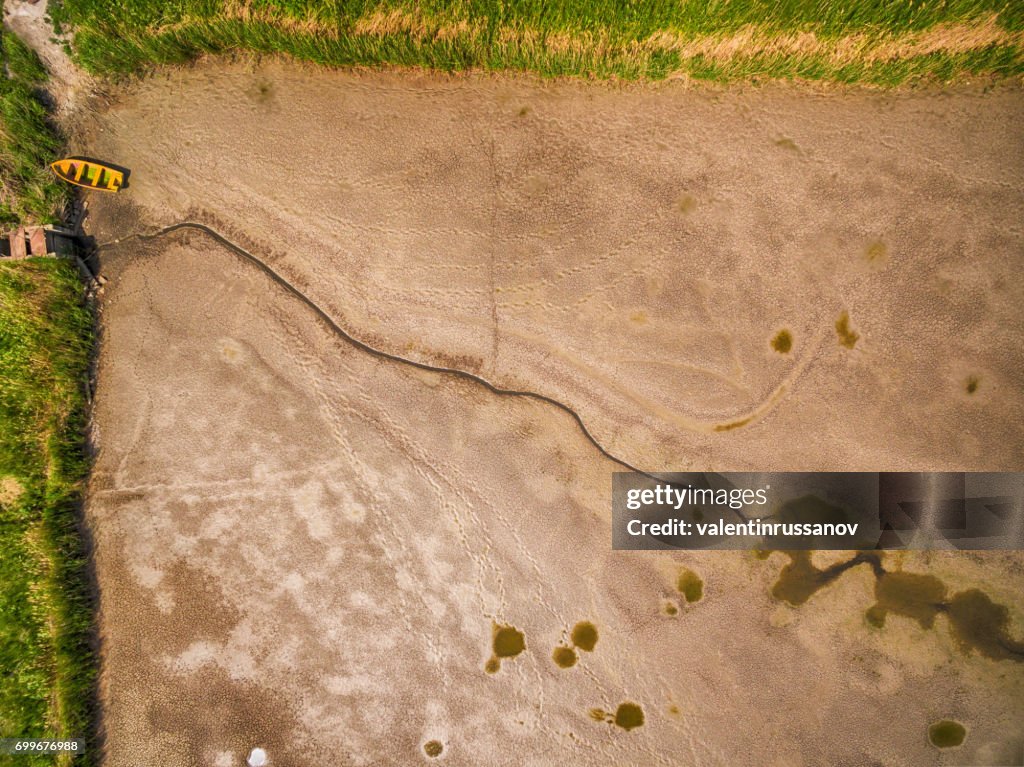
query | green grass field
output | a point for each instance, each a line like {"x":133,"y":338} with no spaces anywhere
{"x":28,"y":143}
{"x":45,"y":337}
{"x":882,"y":42}
{"x":46,"y":608}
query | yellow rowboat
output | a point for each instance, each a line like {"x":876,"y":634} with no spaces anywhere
{"x":88,"y":173}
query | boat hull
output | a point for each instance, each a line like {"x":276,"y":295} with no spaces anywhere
{"x":88,"y":174}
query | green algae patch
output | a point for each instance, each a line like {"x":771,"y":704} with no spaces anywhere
{"x":584,"y":636}
{"x":975,"y":621}
{"x":980,"y":624}
{"x":800,"y":580}
{"x":947,"y":734}
{"x":876,"y":252}
{"x":847,"y":336}
{"x":564,"y":657}
{"x":433,"y":748}
{"x":629,"y":716}
{"x":729,"y":426}
{"x":690,"y":585}
{"x":508,"y":641}
{"x":687,"y":203}
{"x":912,"y":595}
{"x":782,"y":342}
{"x":670,"y":608}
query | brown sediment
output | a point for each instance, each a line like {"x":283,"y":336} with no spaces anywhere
{"x":550,"y":308}
{"x":256,"y":471}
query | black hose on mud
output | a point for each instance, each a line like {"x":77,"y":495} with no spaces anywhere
{"x":361,"y":345}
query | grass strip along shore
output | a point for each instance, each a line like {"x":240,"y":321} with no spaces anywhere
{"x":28,"y":144}
{"x":46,"y":331}
{"x":879,"y":42}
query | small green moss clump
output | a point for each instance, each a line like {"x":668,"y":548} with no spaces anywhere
{"x":783,"y":342}
{"x":584,"y":636}
{"x":629,"y":716}
{"x":947,"y":734}
{"x":564,"y":657}
{"x":690,"y":585}
{"x":508,"y":642}
{"x":876,"y":251}
{"x":433,"y":748}
{"x":847,"y":336}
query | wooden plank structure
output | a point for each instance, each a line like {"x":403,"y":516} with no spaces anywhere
{"x":37,"y":241}
{"x":25,"y":242}
{"x":19,"y":243}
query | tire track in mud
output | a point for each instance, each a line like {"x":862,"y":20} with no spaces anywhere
{"x":338,"y":330}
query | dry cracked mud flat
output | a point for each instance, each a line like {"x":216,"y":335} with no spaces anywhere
{"x":313,"y":549}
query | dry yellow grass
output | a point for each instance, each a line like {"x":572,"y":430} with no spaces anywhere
{"x":10,"y":491}
{"x":751,"y":41}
